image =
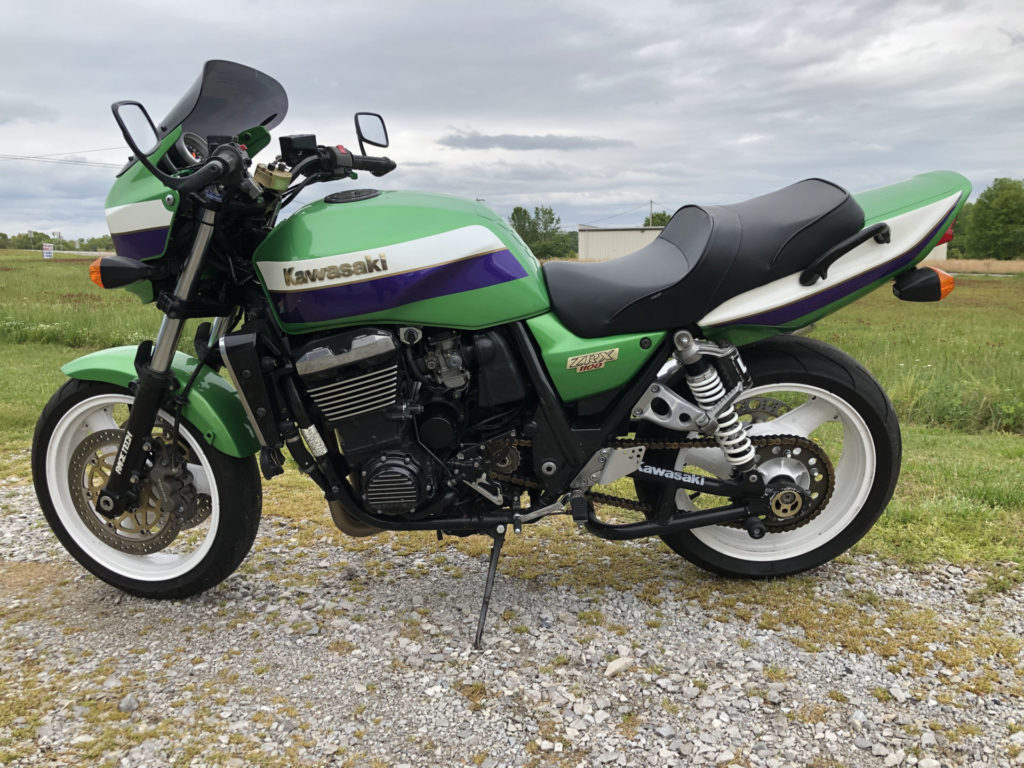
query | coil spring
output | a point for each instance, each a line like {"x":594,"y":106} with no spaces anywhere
{"x":708,"y":391}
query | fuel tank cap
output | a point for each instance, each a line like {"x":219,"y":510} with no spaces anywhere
{"x":351,"y":195}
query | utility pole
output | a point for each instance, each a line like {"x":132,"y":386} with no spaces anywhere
{"x":651,"y":220}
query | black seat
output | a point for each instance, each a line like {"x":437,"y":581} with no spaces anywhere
{"x":704,"y":256}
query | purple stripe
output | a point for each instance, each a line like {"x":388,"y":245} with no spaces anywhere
{"x":141,"y":245}
{"x":798,"y":309}
{"x":339,"y":301}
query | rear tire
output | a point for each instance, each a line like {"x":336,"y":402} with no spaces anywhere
{"x":832,"y":400}
{"x":198,"y":558}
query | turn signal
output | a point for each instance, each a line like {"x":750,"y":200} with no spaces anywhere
{"x":95,"y":273}
{"x":924,"y":284}
{"x":118,"y":271}
{"x":945,"y":280}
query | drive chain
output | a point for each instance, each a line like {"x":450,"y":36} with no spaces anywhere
{"x":676,"y":445}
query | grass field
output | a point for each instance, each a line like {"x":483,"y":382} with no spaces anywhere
{"x":955,"y":372}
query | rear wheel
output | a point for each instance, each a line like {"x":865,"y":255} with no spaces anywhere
{"x":806,"y":390}
{"x":196,"y":515}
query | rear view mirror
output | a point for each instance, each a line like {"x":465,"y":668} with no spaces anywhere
{"x":371,"y":130}
{"x":137,"y":127}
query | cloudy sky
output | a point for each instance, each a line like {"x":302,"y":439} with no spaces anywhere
{"x":591,"y":108}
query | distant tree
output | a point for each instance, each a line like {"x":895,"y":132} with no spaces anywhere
{"x":997,"y":222}
{"x":657,"y":219}
{"x":523,"y":223}
{"x":102,"y":243}
{"x":5,"y":241}
{"x":30,"y":240}
{"x":542,"y":233}
{"x":958,"y":247}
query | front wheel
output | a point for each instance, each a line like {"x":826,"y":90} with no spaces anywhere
{"x":803,"y":390}
{"x":196,"y":514}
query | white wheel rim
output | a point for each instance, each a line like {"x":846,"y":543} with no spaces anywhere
{"x":92,"y":415}
{"x":854,"y":475}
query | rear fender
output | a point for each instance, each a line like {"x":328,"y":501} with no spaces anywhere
{"x":213,"y":404}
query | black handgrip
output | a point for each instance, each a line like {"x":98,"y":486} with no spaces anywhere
{"x":210,"y":173}
{"x":378,"y":166}
{"x":227,"y":165}
{"x":819,"y":267}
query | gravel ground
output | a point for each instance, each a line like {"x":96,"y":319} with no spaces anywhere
{"x":318,"y":654}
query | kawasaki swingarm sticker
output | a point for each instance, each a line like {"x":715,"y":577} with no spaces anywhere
{"x":360,"y":282}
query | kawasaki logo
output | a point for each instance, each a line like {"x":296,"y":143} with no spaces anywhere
{"x":671,"y":474}
{"x":592,"y":361}
{"x":364,"y":266}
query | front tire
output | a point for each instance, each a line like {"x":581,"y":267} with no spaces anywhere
{"x":805,"y":388}
{"x":75,"y":429}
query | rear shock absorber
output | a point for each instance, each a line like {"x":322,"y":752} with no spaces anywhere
{"x":709,"y":391}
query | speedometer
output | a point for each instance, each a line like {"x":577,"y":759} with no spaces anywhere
{"x":192,"y":148}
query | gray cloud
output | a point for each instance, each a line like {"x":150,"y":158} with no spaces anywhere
{"x":477,"y":140}
{"x":1016,"y":38}
{"x":12,"y":110}
{"x":720,"y":101}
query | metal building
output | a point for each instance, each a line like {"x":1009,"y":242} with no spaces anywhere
{"x":601,"y":244}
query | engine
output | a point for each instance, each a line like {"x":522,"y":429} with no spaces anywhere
{"x":407,"y":405}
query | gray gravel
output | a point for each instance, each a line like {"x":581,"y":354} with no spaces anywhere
{"x":329,"y":656}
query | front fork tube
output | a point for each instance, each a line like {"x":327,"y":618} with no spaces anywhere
{"x":155,"y":382}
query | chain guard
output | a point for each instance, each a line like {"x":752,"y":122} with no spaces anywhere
{"x":810,"y":507}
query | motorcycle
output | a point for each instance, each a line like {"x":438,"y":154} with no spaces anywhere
{"x":424,"y":369}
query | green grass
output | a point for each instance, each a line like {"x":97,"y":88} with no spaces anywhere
{"x":954,"y":371}
{"x":53,"y":302}
{"x":958,"y":363}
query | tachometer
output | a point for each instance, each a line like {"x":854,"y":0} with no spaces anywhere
{"x":192,"y":148}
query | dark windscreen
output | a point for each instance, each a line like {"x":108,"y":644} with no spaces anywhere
{"x":226,"y":99}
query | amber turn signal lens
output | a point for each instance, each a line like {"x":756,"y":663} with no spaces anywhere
{"x":946,"y":282}
{"x":94,"y":272}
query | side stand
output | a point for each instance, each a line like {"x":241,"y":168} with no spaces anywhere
{"x":498,"y":534}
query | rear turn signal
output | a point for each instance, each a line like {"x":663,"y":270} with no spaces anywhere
{"x":923,"y":284}
{"x":118,"y":271}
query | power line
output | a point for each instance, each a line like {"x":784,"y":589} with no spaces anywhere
{"x":52,"y":159}
{"x":616,"y":215}
{"x":76,"y":152}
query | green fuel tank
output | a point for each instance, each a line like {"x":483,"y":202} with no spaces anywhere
{"x":368,"y":256}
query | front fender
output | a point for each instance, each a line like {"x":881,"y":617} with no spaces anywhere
{"x":213,"y":404}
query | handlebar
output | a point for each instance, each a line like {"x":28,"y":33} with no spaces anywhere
{"x":339,"y":161}
{"x":226,"y":164}
{"x":378,"y":166}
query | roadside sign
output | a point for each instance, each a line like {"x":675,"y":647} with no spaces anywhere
{"x":47,"y":250}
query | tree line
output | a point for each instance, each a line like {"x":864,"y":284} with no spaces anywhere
{"x":993,"y":226}
{"x":33,"y":240}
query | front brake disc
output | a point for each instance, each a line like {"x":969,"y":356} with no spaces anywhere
{"x":144,"y":527}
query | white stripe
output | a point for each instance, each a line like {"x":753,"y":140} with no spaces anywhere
{"x":407,"y":256}
{"x":906,"y":231}
{"x":135,"y":217}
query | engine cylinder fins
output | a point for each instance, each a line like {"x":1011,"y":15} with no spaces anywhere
{"x":355,"y":395}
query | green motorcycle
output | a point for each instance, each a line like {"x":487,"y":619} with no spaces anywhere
{"x":426,"y":372}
